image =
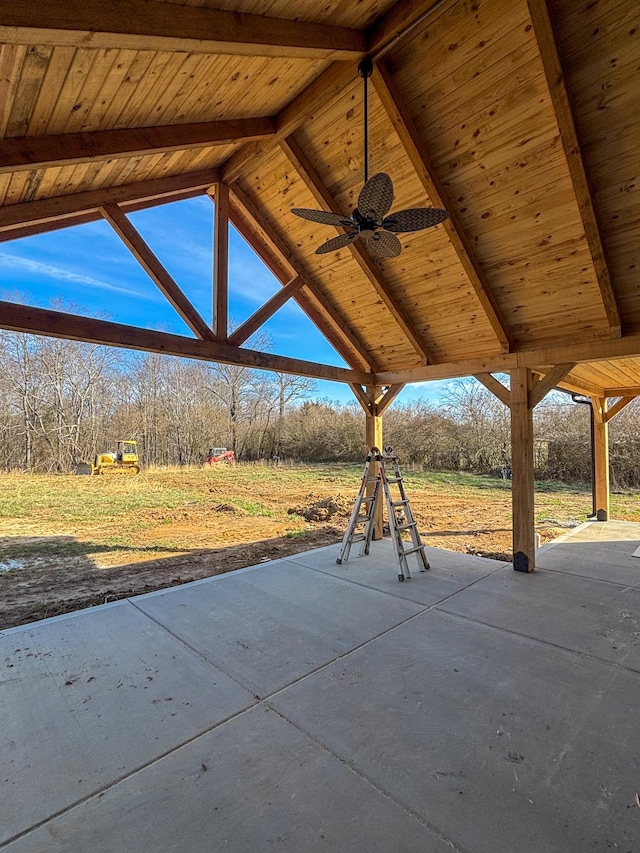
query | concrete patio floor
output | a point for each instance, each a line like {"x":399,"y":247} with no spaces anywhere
{"x":303,"y":706}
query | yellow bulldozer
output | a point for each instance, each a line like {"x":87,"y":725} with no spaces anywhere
{"x":123,"y":461}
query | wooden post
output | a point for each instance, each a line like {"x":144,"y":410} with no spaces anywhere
{"x":373,"y":433}
{"x":221,"y":261}
{"x":522,"y":484}
{"x":601,"y":457}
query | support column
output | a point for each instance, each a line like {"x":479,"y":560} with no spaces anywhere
{"x":373,"y":438}
{"x":375,"y":399}
{"x":221,"y":262}
{"x":522,"y":484}
{"x":601,"y":458}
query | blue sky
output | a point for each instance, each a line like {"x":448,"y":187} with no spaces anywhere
{"x":89,"y":268}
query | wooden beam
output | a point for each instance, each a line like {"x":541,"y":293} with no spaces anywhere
{"x":40,"y":321}
{"x":338,"y":77}
{"x":626,"y":391}
{"x":64,"y":149}
{"x":309,"y":175}
{"x":145,"y":25}
{"x":601,"y":486}
{"x":374,"y":438}
{"x":603,"y":349}
{"x":497,"y":388}
{"x":221,"y":261}
{"x":617,"y":407}
{"x":416,"y":151}
{"x":253,"y":323}
{"x":362,"y":397}
{"x":388,"y":397}
{"x":339,"y":337}
{"x":522,"y":478}
{"x":65,"y":210}
{"x":375,"y":400}
{"x":550,"y":381}
{"x":588,"y":389}
{"x":400,"y":21}
{"x":335,"y":328}
{"x":155,"y":270}
{"x":545,"y":38}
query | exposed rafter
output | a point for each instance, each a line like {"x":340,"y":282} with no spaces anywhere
{"x":40,"y":321}
{"x":283,"y":271}
{"x":48,"y":214}
{"x":403,"y":125}
{"x":260,"y":317}
{"x":580,"y":386}
{"x":311,"y":178}
{"x":559,"y":96}
{"x":63,"y":149}
{"x":331,"y":319}
{"x":145,"y":25}
{"x":400,"y":21}
{"x":155,"y":270}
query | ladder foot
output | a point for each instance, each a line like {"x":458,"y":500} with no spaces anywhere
{"x":339,"y":561}
{"x":400,"y":577}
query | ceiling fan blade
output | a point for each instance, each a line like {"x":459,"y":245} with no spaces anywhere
{"x":414,"y":219}
{"x":376,"y":196}
{"x":323,"y":216}
{"x":335,"y":243}
{"x":384,"y":245}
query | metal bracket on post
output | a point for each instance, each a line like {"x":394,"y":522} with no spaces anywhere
{"x":521,"y":562}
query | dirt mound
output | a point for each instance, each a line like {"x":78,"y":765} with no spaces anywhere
{"x":230,"y":508}
{"x":323,"y":509}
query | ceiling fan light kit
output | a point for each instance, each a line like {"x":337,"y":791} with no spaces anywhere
{"x":369,"y":220}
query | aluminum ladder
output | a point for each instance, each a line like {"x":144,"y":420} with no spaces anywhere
{"x":401,"y":519}
{"x":399,"y":512}
{"x":360,"y":527}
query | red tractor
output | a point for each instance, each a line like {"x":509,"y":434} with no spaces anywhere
{"x":220,"y":454}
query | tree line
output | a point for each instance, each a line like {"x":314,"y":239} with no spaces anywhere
{"x":63,"y":401}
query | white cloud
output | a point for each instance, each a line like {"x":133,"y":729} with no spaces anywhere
{"x":39,"y":268}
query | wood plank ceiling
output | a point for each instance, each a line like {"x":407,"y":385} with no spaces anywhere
{"x":520,"y":117}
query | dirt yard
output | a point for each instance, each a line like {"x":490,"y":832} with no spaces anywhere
{"x":72,"y":542}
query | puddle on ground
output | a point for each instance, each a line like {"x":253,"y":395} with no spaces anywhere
{"x":11,"y":565}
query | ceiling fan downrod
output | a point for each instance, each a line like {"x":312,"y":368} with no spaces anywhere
{"x":365,"y":70}
{"x":370,"y":220}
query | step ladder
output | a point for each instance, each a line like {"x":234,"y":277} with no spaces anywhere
{"x":361,"y":523}
{"x":400,"y":515}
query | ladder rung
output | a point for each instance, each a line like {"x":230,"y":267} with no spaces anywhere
{"x":411,"y":550}
{"x":400,"y":511}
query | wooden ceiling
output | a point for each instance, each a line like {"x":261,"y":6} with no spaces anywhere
{"x":520,"y":117}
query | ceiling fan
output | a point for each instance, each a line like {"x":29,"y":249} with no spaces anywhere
{"x":369,"y":220}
